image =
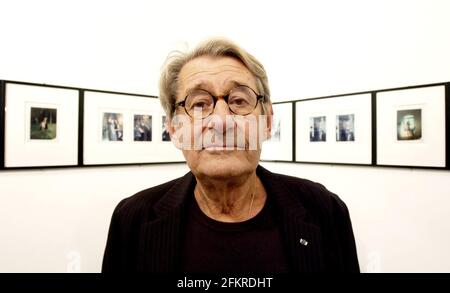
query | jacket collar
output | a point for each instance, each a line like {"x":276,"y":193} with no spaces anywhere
{"x":176,"y":197}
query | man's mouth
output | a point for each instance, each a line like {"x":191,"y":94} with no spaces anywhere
{"x":220,"y":147}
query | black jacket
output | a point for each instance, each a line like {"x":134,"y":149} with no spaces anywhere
{"x":145,"y":234}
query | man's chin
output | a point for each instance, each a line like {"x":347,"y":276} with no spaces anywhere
{"x":221,"y":150}
{"x":223,"y":166}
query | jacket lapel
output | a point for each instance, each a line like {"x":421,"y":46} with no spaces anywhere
{"x":302,"y":239}
{"x":303,"y":242}
{"x":160,"y":240}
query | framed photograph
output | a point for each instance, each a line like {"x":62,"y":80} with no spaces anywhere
{"x":318,"y":128}
{"x":411,"y":127}
{"x":334,"y":130}
{"x":41,"y":126}
{"x":165,"y":131}
{"x":125,"y":129}
{"x":280,"y":145}
{"x":112,"y":126}
{"x":142,"y":127}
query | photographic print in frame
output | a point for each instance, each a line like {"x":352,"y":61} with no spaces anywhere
{"x":279,"y":147}
{"x":131,"y":128}
{"x":43,"y":123}
{"x":409,"y":124}
{"x":411,"y":127}
{"x":345,"y":127}
{"x":112,"y":126}
{"x":41,"y":126}
{"x":165,"y":130}
{"x":345,"y":119}
{"x":142,"y":127}
{"x":318,"y":128}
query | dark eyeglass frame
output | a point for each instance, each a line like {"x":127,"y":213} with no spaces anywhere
{"x":225,"y":97}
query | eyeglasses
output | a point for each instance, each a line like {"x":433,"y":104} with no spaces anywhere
{"x":241,"y":100}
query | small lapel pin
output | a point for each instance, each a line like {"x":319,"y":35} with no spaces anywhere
{"x":303,"y":242}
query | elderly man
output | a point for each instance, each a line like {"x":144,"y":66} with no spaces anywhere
{"x":228,"y":214}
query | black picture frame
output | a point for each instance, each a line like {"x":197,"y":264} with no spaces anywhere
{"x":342,"y":127}
{"x":413,"y":129}
{"x":27,"y":98}
{"x":99,"y":149}
{"x":447,"y":126}
{"x":2,"y":124}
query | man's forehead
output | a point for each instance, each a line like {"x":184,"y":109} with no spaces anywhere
{"x":205,"y":70}
{"x":207,"y":84}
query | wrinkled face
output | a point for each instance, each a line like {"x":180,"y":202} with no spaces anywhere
{"x":221,"y":145}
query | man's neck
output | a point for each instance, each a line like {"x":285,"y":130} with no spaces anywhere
{"x":233,"y":200}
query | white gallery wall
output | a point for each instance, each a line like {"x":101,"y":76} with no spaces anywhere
{"x":56,"y":220}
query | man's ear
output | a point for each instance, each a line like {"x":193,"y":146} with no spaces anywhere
{"x":269,"y":120}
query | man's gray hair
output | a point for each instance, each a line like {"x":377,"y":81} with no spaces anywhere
{"x":217,"y":47}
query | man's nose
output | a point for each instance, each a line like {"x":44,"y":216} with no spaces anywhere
{"x":220,"y":119}
{"x":221,"y":109}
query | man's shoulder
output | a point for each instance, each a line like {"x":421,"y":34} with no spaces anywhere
{"x":299,"y":182}
{"x":314,"y":196}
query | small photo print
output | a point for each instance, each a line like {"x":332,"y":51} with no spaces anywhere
{"x":317,"y":130}
{"x":43,"y":123}
{"x":165,"y":129}
{"x":142,"y":128}
{"x":275,"y":134}
{"x":409,"y":124}
{"x":112,"y":127}
{"x":345,"y":127}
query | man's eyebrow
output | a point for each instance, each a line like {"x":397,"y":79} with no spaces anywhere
{"x":197,"y":86}
{"x":236,"y":83}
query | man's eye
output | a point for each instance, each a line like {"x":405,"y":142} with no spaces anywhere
{"x":199,"y":104}
{"x":239,"y":102}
